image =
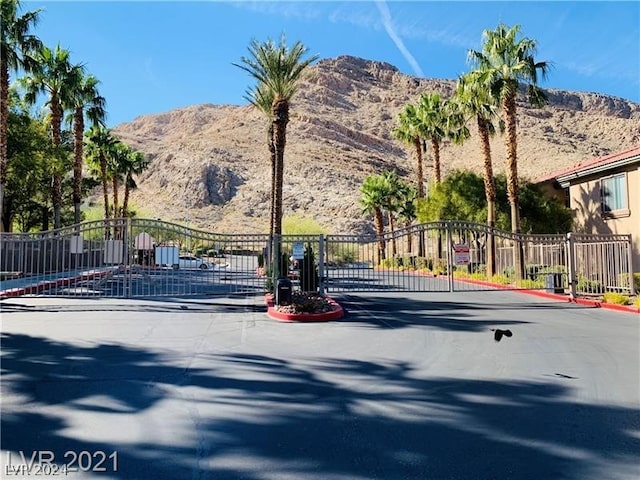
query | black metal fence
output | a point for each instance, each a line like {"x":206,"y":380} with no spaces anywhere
{"x":141,"y":257}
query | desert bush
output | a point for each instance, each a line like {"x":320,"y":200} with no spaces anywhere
{"x":530,"y":284}
{"x":616,"y":298}
{"x":501,"y":279}
{"x":586,"y":285}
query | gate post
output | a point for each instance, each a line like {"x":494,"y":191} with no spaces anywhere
{"x":126,"y":256}
{"x":632,"y":286}
{"x":571,"y":266}
{"x":321,"y":257}
{"x":449,"y":241}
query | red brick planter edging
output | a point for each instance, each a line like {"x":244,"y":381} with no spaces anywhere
{"x":334,"y":314}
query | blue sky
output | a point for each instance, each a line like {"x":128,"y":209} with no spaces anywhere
{"x":156,"y":56}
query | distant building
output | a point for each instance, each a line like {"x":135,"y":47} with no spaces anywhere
{"x":603,"y":194}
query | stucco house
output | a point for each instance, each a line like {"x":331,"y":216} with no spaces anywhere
{"x":604,"y":195}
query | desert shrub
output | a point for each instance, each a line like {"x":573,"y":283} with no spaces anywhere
{"x":424,"y":263}
{"x":616,"y":298}
{"x":440,"y":267}
{"x":300,"y":225}
{"x":342,"y":253}
{"x":309,"y":271}
{"x":586,"y":285}
{"x":530,"y":284}
{"x":501,"y":279}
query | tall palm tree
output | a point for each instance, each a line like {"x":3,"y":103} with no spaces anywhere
{"x":408,"y":131}
{"x":372,"y":200}
{"x":17,"y":46}
{"x":474,"y":97}
{"x":278,"y":68}
{"x":407,"y":211}
{"x":54,"y":77}
{"x":135,"y":164}
{"x":508,"y":63}
{"x":261,"y":97}
{"x":393,"y":191}
{"x":432,"y":127}
{"x":85,"y":100}
{"x":100,"y":143}
{"x":116,"y":166}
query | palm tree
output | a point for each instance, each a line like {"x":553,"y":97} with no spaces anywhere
{"x":374,"y":192}
{"x":16,"y":52}
{"x":55,"y":77}
{"x":431,"y":115}
{"x":100,"y":143}
{"x":508,"y":63}
{"x":85,"y":99}
{"x":278,"y":69}
{"x":475,"y":100}
{"x":407,"y":211}
{"x":408,"y":131}
{"x":116,"y":166}
{"x":393,"y":189}
{"x":135,"y":164}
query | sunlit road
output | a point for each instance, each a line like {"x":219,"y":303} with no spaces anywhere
{"x":406,"y":386}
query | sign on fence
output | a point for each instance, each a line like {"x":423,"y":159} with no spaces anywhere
{"x":462,"y":256}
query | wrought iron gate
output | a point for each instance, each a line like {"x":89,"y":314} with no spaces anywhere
{"x":141,"y":258}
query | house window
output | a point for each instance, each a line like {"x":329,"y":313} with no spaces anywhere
{"x":614,"y":193}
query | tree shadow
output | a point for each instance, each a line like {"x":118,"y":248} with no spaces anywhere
{"x":403,"y":312}
{"x":251,"y":416}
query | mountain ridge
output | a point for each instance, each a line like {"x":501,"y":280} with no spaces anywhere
{"x":210,"y":163}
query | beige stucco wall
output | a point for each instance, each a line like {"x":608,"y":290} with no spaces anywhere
{"x":588,"y":217}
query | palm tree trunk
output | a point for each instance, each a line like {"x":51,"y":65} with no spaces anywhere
{"x":435,"y":146}
{"x":394,"y":249}
{"x":490,"y":193}
{"x":280,"y":120}
{"x":125,"y":201}
{"x":114,"y":184}
{"x":105,"y":193}
{"x":509,"y":113}
{"x":4,"y":127}
{"x":272,"y":156}
{"x":78,"y":131}
{"x":377,"y":216}
{"x":420,"y":173}
{"x":56,"y":135}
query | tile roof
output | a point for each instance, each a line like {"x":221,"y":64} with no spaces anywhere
{"x":590,"y":164}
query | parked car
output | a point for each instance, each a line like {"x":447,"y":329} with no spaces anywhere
{"x":191,"y":261}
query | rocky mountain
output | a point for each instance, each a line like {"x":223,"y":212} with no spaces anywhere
{"x":210,"y":162}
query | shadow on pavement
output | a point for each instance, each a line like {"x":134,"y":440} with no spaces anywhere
{"x":256,"y":417}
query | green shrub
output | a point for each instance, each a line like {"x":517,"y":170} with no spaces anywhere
{"x":589,"y":286}
{"x":300,"y":225}
{"x":616,"y":298}
{"x":440,"y":268}
{"x":637,"y":303}
{"x":309,"y":271}
{"x":530,"y":284}
{"x":501,"y":279}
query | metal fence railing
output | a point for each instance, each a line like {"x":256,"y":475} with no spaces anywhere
{"x":141,"y":257}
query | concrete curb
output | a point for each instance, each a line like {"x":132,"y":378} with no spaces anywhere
{"x":335,"y":314}
{"x":49,"y":284}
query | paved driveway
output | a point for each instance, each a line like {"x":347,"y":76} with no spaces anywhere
{"x":406,"y":386}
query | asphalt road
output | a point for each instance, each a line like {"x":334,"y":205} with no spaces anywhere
{"x":406,"y":386}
